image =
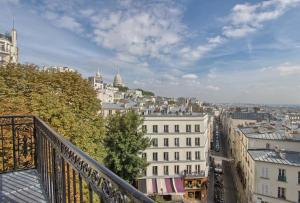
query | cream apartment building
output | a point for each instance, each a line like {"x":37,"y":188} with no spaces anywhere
{"x":179,"y":150}
{"x":260,"y":137}
{"x":275,"y":176}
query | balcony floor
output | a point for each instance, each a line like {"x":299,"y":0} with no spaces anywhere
{"x":21,"y":186}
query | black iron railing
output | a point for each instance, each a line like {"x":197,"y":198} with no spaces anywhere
{"x":67,"y":174}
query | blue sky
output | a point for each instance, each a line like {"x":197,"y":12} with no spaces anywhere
{"x":218,"y":51}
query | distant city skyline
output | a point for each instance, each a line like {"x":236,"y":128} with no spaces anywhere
{"x":241,"y":51}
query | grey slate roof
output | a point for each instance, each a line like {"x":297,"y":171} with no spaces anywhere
{"x":290,"y":158}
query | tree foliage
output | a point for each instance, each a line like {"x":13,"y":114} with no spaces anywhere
{"x":146,"y":93}
{"x":124,"y":143}
{"x":63,"y":99}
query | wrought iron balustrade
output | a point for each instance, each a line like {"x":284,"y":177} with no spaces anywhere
{"x":67,"y":174}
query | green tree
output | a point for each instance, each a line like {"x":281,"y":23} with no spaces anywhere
{"x":124,"y":143}
{"x":64,"y":100}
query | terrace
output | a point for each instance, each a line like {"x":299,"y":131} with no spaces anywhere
{"x":39,"y":165}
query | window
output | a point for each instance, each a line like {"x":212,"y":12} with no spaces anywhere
{"x":281,"y":175}
{"x":176,"y":156}
{"x":281,"y":192}
{"x":176,"y":169}
{"x":154,"y":170}
{"x":197,"y":141}
{"x":265,"y":189}
{"x":166,"y":156}
{"x":176,"y":142}
{"x":197,"y":128}
{"x":176,"y":128}
{"x":188,"y":169}
{"x":144,"y":156}
{"x":299,"y":177}
{"x":144,"y":128}
{"x":188,"y":155}
{"x":154,"y":128}
{"x":166,"y":142}
{"x":154,"y":142}
{"x":166,"y":170}
{"x":197,"y":168}
{"x":154,"y":156}
{"x":264,"y":172}
{"x":109,"y":112}
{"x":188,"y":128}
{"x":188,"y":141}
{"x":197,"y":155}
{"x":166,"y":128}
{"x":268,"y":146}
{"x":298,"y":196}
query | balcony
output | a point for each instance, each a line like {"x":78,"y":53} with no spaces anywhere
{"x":39,"y":165}
{"x":282,"y":178}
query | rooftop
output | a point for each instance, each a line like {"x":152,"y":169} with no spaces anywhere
{"x":187,"y":114}
{"x":249,"y":116}
{"x":268,"y":133}
{"x":266,"y":155}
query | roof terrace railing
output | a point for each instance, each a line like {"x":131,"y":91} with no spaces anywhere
{"x":67,"y":173}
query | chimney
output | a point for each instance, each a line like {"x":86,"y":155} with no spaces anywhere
{"x":282,"y":154}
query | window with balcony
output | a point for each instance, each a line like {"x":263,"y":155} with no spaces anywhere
{"x":166,"y":170}
{"x":176,"y":156}
{"x":188,"y":141}
{"x":197,"y":155}
{"x":176,"y":169}
{"x":154,"y":142}
{"x":197,"y":168}
{"x":176,"y":129}
{"x":188,"y":169}
{"x":188,"y":155}
{"x":281,"y":193}
{"x":154,"y":170}
{"x":188,"y":128}
{"x":197,"y":128}
{"x":197,"y":141}
{"x":166,"y":128}
{"x":176,"y":142}
{"x":166,"y":142}
{"x":154,"y":128}
{"x":166,"y":156}
{"x":154,"y":156}
{"x":281,"y":175}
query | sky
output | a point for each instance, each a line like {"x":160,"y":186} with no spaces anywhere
{"x":217,"y":51}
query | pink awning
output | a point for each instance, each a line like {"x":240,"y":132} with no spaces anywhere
{"x":179,"y":184}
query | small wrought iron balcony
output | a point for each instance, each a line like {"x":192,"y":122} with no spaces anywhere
{"x":282,"y":178}
{"x":39,"y":165}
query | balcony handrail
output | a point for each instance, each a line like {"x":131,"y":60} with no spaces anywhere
{"x":97,"y":166}
{"x":55,"y":153}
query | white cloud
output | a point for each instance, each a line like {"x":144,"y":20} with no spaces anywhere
{"x":247,"y":18}
{"x":212,"y":87}
{"x":142,"y":30}
{"x":285,"y":69}
{"x":64,"y":21}
{"x":289,"y":69}
{"x":190,"y":76}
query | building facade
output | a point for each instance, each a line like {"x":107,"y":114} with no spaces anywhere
{"x":9,"y":52}
{"x":178,"y":156}
{"x":275,"y":175}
